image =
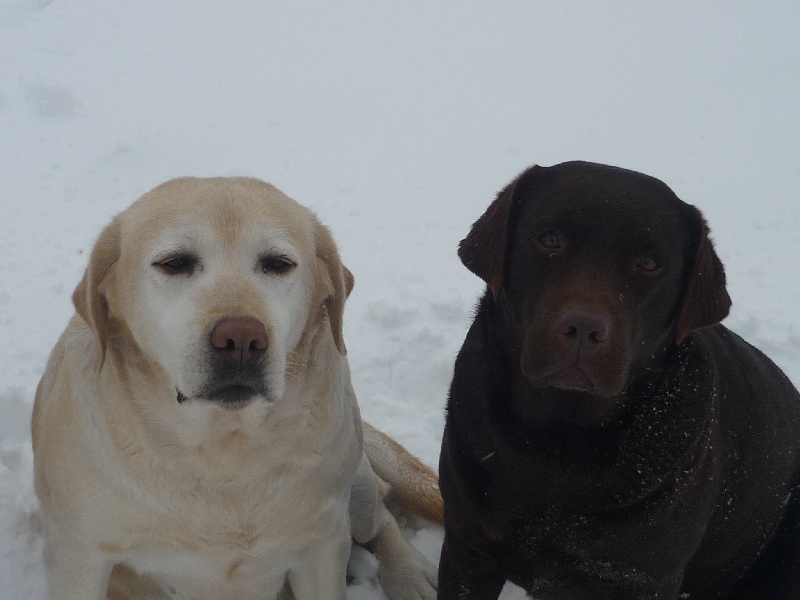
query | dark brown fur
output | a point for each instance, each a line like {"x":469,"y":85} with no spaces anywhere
{"x":606,"y":437}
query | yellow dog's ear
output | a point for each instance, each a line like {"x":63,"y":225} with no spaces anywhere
{"x":89,"y":297}
{"x":340,"y":284}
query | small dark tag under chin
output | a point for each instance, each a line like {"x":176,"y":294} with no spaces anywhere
{"x":181,"y":397}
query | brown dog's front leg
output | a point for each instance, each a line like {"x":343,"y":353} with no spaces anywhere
{"x":465,"y":574}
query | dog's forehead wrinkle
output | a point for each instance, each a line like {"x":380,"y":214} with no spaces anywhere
{"x":230,"y":206}
{"x":605,"y":178}
{"x":624,"y":190}
{"x":179,"y":239}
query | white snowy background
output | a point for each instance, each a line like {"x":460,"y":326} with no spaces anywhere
{"x":397,"y":122}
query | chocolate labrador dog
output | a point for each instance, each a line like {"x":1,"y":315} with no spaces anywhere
{"x":606,"y":437}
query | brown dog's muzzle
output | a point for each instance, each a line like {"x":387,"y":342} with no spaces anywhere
{"x":581,"y":347}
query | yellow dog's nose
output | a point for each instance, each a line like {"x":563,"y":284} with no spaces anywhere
{"x":239,"y":339}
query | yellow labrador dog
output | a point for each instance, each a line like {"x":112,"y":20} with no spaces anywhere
{"x":195,"y":434}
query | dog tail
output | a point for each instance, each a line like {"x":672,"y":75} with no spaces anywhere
{"x":413,"y":488}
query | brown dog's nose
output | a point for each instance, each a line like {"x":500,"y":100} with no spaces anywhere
{"x":583,"y":328}
{"x":239,"y":338}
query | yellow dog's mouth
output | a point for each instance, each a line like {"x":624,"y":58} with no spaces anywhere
{"x":230,"y":397}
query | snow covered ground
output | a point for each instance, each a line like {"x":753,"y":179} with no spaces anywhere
{"x":397,"y":123}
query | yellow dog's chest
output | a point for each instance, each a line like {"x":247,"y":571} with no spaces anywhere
{"x":243,"y":550}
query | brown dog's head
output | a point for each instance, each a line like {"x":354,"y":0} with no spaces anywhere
{"x":598,"y":272}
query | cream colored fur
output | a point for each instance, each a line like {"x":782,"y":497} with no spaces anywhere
{"x":146,"y":497}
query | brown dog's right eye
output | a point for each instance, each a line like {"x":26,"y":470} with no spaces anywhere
{"x":550,"y":240}
{"x":180,"y":264}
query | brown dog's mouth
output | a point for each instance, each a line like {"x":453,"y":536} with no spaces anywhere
{"x":570,"y":378}
{"x":575,"y":379}
{"x":597,"y":374}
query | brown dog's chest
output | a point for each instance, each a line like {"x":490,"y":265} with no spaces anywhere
{"x":560,"y":504}
{"x":551,"y":530}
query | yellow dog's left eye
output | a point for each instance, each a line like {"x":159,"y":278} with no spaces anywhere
{"x":277,"y":264}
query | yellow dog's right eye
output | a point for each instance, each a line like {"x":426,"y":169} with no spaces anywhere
{"x":177,"y":264}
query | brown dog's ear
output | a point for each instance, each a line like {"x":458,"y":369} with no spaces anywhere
{"x":483,"y":251}
{"x":89,"y":297}
{"x":341,"y":284}
{"x":705,"y":298}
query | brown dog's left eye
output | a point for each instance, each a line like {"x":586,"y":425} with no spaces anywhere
{"x":648,"y":264}
{"x":278,"y":265}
